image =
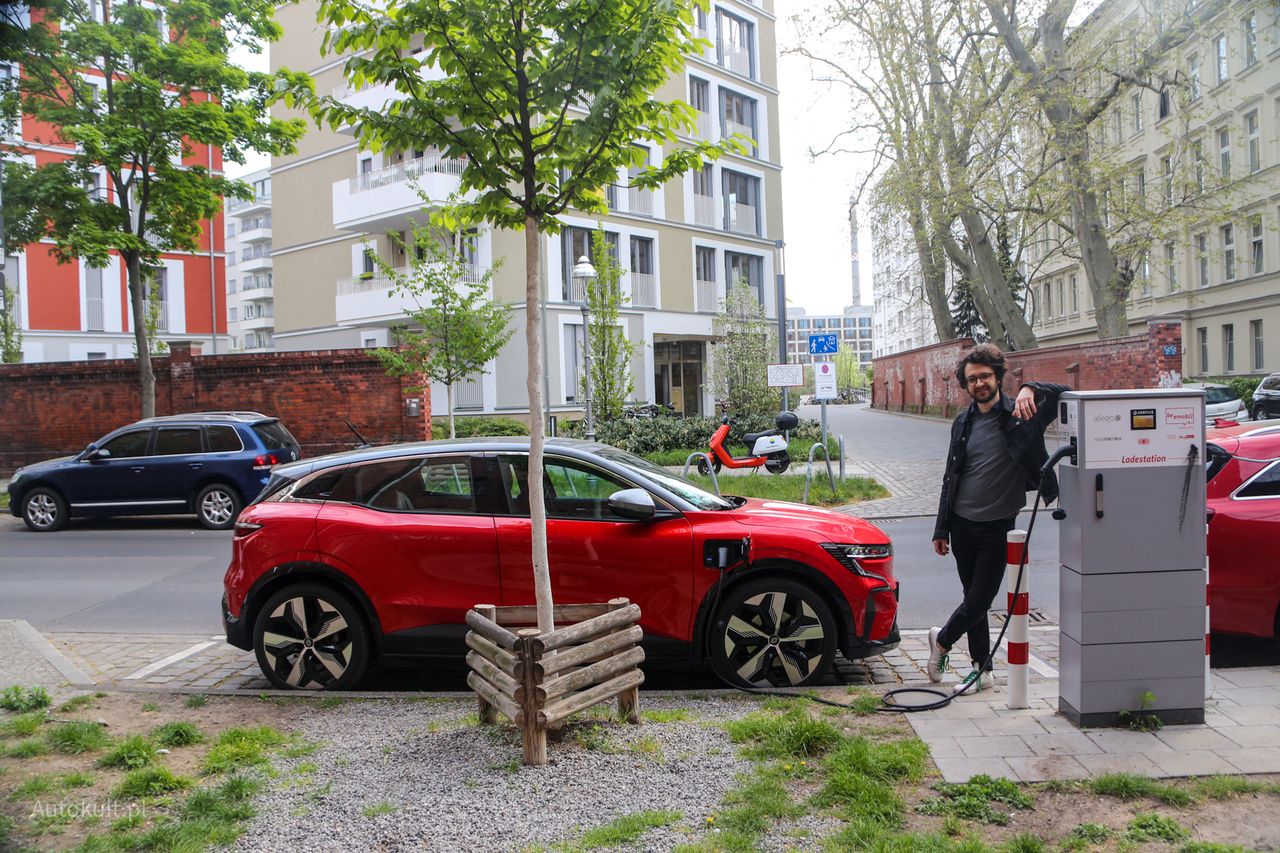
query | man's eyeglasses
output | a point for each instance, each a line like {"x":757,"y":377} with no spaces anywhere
{"x":979,"y":378}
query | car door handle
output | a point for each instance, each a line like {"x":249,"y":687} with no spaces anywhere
{"x":195,"y":465}
{"x":138,"y":468}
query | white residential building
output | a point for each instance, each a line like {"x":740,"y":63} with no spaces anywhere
{"x":250,"y":295}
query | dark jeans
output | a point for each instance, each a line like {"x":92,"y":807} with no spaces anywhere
{"x":979,"y":549}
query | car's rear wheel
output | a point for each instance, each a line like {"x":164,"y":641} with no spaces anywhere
{"x":44,"y":510}
{"x":309,"y":636}
{"x":773,"y":632}
{"x":217,"y":506}
{"x":1259,"y":412}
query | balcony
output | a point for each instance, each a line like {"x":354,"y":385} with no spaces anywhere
{"x":257,"y":294}
{"x":256,"y":258}
{"x":640,"y":201}
{"x":390,"y":199}
{"x":704,"y":210}
{"x":705,"y":296}
{"x":736,"y":59}
{"x":261,"y":323}
{"x":241,"y":207}
{"x":742,"y":219}
{"x":732,"y":127}
{"x":644,"y":290}
{"x":370,"y":296}
{"x":260,"y":234}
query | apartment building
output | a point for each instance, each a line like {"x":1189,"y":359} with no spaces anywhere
{"x":680,"y":246}
{"x":1220,"y":132}
{"x":852,"y":328}
{"x":900,"y":315}
{"x":250,"y":296}
{"x":75,"y":311}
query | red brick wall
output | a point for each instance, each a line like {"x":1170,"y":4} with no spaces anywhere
{"x":53,"y":409}
{"x":923,"y":380}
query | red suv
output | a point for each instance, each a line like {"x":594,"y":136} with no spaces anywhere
{"x":381,"y":551}
{"x":1244,"y":528}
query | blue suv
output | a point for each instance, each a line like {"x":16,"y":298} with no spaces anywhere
{"x":209,"y":463}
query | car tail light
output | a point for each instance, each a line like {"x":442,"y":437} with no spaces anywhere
{"x":262,"y":463}
{"x":244,"y":528}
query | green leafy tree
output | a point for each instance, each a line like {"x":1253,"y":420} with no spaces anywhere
{"x":611,"y":351}
{"x":545,"y":102}
{"x":455,"y":328}
{"x":134,"y":90}
{"x":745,"y":345}
{"x":10,"y":329}
{"x":848,"y":370}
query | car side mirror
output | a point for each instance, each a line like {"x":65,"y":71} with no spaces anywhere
{"x":94,"y":454}
{"x":635,"y":504}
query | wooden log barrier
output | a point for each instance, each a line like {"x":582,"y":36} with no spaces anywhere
{"x":538,"y":680}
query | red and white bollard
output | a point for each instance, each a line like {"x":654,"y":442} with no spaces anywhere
{"x":1017,"y":636}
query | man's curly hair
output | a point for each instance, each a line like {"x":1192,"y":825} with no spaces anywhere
{"x":988,"y":355}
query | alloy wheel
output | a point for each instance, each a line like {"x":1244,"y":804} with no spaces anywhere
{"x":217,"y":507}
{"x":775,"y":639}
{"x":307,"y":642}
{"x":42,"y":510}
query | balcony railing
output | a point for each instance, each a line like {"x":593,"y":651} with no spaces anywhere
{"x":742,"y":219}
{"x":731,"y":127}
{"x":260,"y":250}
{"x":736,"y":59}
{"x":240,"y":204}
{"x":644,"y":290}
{"x":640,"y":201}
{"x":407,"y":171}
{"x":94,"y":314}
{"x":369,"y":282}
{"x":704,"y":210}
{"x":705,"y":296}
{"x":706,"y":125}
{"x":162,"y":316}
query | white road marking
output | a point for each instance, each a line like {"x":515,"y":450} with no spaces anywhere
{"x":163,"y":662}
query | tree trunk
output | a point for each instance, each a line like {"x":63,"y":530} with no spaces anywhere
{"x":934,"y":275}
{"x":448,"y":397}
{"x":1109,"y":289}
{"x":537,"y":425}
{"x":138,"y":306}
{"x":991,"y":284}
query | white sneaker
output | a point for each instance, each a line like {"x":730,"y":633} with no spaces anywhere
{"x":937,"y":657}
{"x":985,"y":681}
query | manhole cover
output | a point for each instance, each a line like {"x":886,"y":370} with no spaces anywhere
{"x":1036,"y":615}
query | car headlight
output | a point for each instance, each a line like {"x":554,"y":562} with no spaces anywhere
{"x":850,"y":556}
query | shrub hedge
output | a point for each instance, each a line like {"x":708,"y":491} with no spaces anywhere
{"x":470,"y":427}
{"x":643,"y":436}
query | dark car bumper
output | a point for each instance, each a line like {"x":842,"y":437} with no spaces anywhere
{"x":878,"y":631}
{"x":236,"y":630}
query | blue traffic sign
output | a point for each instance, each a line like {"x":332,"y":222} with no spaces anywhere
{"x":823,"y":344}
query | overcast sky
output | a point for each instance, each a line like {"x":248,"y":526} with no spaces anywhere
{"x":815,"y":193}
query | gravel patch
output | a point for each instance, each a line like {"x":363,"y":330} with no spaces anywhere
{"x":422,"y":775}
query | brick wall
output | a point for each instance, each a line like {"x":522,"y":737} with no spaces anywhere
{"x":923,"y":380}
{"x":54,"y":409}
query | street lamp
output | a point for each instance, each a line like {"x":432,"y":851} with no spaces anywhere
{"x":583,"y":274}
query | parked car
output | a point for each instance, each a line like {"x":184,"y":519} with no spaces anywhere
{"x":381,"y":551}
{"x":209,"y":463}
{"x":1220,"y":401}
{"x":1266,"y":398}
{"x":1244,"y":527}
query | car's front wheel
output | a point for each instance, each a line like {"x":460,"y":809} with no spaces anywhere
{"x":309,"y":636}
{"x":44,"y":510}
{"x":773,"y":632}
{"x":1259,"y":412}
{"x":217,"y":506}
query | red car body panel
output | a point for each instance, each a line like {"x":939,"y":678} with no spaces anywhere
{"x":288,"y":539}
{"x":1244,"y":535}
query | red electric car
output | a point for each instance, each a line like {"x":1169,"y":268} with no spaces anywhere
{"x":381,"y":551}
{"x":1244,"y":528}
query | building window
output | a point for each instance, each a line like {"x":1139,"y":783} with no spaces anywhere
{"x":1048,"y":300}
{"x":1224,"y":153}
{"x":1253,"y":143}
{"x":1135,"y":102}
{"x":1202,"y":258}
{"x":1197,"y":159}
{"x":231,"y":229}
{"x":1193,"y":76}
{"x":1228,"y":252}
{"x":1144,"y":272}
{"x":1140,"y":180}
{"x":1117,"y":120}
{"x":231,"y":285}
{"x":735,"y":46}
{"x":1166,"y":104}
{"x":1255,"y":333}
{"x":704,"y":262}
{"x":741,"y":202}
{"x":1255,"y":247}
{"x":641,"y":255}
{"x":1062,"y":297}
{"x":1202,"y":339}
{"x":368,"y":262}
{"x":745,"y":269}
{"x":1228,"y":347}
{"x":231,"y":313}
{"x":1220,"y":57}
{"x":1250,"y":26}
{"x":577,"y":243}
{"x":1166,"y":167}
{"x":737,"y":115}
{"x":1171,"y":266}
{"x":1075,"y":296}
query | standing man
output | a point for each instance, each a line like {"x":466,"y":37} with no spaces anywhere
{"x":997,"y":449}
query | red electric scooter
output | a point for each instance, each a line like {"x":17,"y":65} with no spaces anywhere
{"x":768,"y":448}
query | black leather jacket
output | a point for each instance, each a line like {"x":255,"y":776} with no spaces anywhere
{"x":1024,"y":438}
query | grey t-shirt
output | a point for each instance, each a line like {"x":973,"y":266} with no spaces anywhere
{"x":992,"y":484}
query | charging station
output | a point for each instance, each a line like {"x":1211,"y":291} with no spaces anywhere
{"x":1132,"y":578}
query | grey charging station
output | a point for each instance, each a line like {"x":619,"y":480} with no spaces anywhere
{"x":1132,"y":579}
